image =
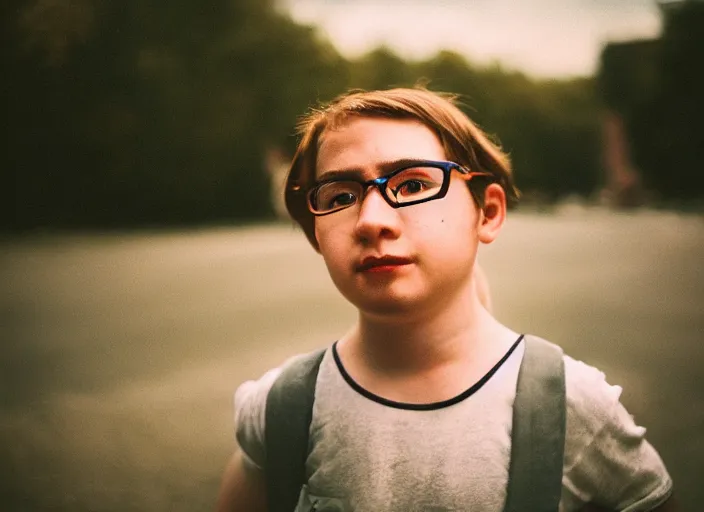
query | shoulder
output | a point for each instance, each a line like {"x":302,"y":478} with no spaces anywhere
{"x":607,"y":458}
{"x":590,"y":399}
{"x":250,"y":402}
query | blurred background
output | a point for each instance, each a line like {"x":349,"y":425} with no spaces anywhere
{"x":147,"y":266}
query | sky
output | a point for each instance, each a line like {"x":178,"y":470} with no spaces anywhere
{"x":543,"y":38}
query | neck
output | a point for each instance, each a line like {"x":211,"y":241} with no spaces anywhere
{"x":452,"y":331}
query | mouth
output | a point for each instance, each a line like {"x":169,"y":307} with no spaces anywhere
{"x":382,"y":264}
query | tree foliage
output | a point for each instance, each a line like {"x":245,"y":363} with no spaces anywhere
{"x":137,"y":112}
{"x":130,"y":112}
{"x":549,"y":128}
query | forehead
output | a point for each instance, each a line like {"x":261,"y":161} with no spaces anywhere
{"x":364,"y":144}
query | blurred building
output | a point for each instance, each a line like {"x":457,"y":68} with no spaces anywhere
{"x":634,"y":91}
{"x":627,"y":79}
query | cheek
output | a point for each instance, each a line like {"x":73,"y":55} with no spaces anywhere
{"x":445,"y":236}
{"x":316,"y":231}
{"x":329,"y":243}
{"x":449,"y":221}
{"x":324,"y":234}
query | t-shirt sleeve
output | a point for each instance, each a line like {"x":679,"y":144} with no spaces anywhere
{"x":250,"y":414}
{"x":610,"y":463}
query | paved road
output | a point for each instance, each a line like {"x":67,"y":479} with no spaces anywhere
{"x":120,"y":352}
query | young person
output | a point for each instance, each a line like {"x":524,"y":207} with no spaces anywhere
{"x":413,"y":407}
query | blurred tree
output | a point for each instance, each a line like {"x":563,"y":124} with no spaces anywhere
{"x":550,"y":128}
{"x":451,"y":72}
{"x":132,"y":112}
{"x":381,"y":69}
{"x":552,"y":131}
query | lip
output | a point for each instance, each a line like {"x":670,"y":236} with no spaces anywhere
{"x":381,"y":264}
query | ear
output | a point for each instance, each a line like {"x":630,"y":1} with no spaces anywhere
{"x":493,"y":213}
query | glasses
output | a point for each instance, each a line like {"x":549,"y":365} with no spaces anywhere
{"x":414,"y":183}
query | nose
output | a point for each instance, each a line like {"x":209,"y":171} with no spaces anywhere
{"x":376,"y":218}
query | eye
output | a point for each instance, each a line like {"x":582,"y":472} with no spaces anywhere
{"x":344,"y":199}
{"x":415,"y":184}
{"x":410,"y":187}
{"x":335,"y":195}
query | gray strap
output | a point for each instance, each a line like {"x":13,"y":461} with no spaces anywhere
{"x":289,"y":411}
{"x":538,"y":432}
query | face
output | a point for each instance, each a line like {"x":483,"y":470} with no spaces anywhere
{"x":388,"y":260}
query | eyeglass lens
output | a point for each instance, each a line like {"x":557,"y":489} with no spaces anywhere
{"x":408,"y":185}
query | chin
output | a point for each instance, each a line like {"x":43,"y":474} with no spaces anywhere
{"x":386,"y":303}
{"x":388,"y":311}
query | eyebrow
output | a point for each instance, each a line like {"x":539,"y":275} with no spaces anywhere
{"x":356,"y":173}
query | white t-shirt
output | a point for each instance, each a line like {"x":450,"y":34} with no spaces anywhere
{"x":371,"y":454}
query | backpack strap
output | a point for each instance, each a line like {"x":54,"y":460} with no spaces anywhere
{"x":538,"y":432}
{"x":289,"y":411}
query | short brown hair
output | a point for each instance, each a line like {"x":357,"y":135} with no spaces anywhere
{"x":464,"y":142}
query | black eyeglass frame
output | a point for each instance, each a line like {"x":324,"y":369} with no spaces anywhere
{"x":381,"y":184}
